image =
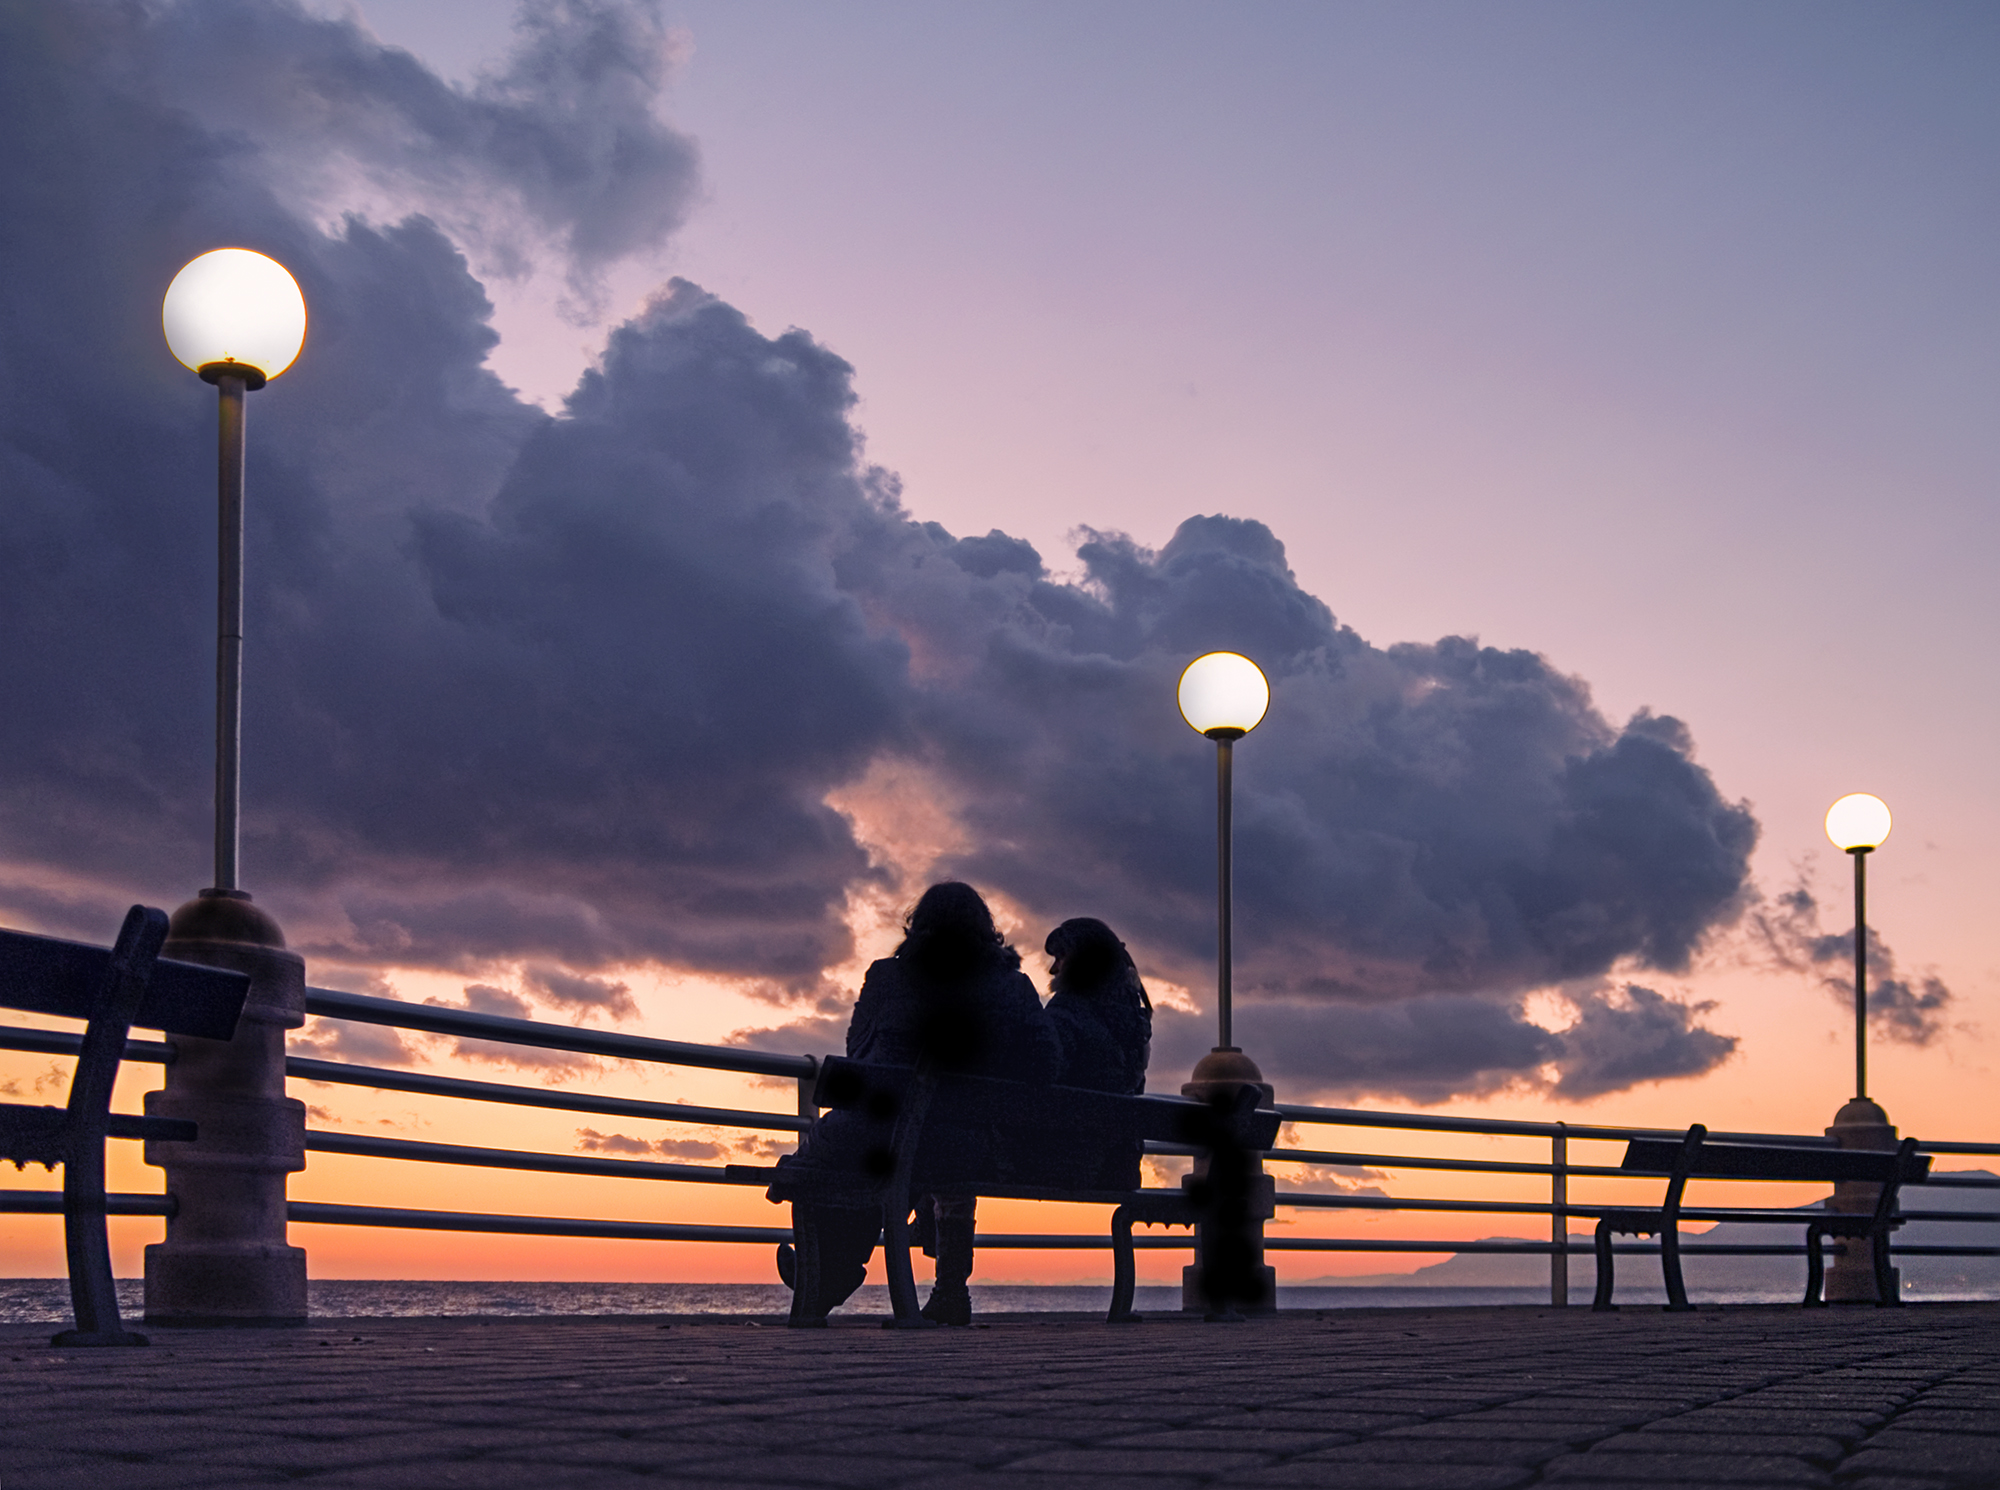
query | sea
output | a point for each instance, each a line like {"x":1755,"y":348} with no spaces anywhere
{"x":46,"y":1300}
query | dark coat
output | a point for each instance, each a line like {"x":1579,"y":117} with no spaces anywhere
{"x":1107,"y":1036}
{"x":990,"y":1024}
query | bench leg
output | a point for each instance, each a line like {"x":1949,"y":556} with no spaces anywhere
{"x":896,"y":1259}
{"x":1124,"y":1273}
{"x":1815,"y":1267}
{"x":1887,"y":1295}
{"x":1670,"y":1267}
{"x":92,"y":1291}
{"x":1602,"y":1302}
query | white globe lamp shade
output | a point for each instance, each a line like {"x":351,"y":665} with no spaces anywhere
{"x":233,"y":307}
{"x":1224,"y":692}
{"x":1857,"y":821}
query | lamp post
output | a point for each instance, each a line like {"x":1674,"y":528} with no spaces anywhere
{"x":237,"y":320}
{"x":1858,"y":824}
{"x":1224,"y":695}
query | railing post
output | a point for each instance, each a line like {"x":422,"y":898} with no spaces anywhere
{"x":1559,"y":1217}
{"x":226,"y":1259}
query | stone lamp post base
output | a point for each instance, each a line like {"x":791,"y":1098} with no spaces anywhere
{"x":226,"y":1260}
{"x":1221,"y":1072}
{"x":1850,"y":1274}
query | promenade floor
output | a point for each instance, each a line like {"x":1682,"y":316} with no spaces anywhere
{"x":1444,"y":1399}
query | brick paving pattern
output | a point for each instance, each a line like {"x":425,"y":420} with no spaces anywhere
{"x":1444,"y":1399}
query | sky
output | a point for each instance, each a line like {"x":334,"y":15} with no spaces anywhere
{"x":750,"y":460}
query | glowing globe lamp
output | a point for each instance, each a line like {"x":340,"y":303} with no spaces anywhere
{"x":1858,"y":822}
{"x":233,"y":312}
{"x":1224,"y":695}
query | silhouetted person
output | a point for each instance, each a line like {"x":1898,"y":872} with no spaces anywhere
{"x":1105,"y":1022}
{"x":952,"y":999}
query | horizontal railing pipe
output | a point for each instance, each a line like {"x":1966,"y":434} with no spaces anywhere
{"x":50,"y":1203}
{"x":318,"y":1140}
{"x":320,"y":1213}
{"x":342,"y":1074}
{"x":1469,"y":1166}
{"x":364,"y":1008}
{"x":1355,"y":1117}
{"x":66,"y":1042}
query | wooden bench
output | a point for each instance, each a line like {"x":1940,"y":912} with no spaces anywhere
{"x":1695,"y":1158}
{"x":1059,"y":1121}
{"x":113,"y":989}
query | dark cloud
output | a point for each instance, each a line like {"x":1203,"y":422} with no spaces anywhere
{"x":562,"y":147}
{"x":1626,"y":1036}
{"x":1416,"y":819}
{"x":564,"y":694}
{"x":1912,"y":1009}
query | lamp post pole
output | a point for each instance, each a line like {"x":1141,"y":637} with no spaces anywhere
{"x":1858,"y":824}
{"x":1225,"y":741}
{"x":237,"y":319}
{"x":1859,"y":853}
{"x":230,"y":386}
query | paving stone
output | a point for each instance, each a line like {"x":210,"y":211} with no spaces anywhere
{"x":1387,"y":1450}
{"x":1813,"y":1449}
{"x":1702,"y":1469}
{"x":1388,"y":1476}
{"x":1951,"y":1419}
{"x":1142,"y":1461}
{"x":1972,"y":1460}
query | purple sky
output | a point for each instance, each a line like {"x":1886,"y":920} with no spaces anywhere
{"x":1655,"y":340}
{"x":1660,"y":339}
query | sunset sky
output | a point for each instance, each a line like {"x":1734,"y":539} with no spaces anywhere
{"x":1589,"y":416}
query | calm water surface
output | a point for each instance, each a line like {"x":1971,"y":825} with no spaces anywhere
{"x":46,"y":1300}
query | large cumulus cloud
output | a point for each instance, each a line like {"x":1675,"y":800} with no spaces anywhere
{"x":552,"y":694}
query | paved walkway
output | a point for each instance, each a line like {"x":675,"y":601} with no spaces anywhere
{"x":1445,"y":1399}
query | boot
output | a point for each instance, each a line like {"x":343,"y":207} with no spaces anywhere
{"x":830,"y":1259}
{"x":951,"y":1301}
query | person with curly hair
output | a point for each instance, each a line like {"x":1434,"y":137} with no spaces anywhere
{"x":951,"y":999}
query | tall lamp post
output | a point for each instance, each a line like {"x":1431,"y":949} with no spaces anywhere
{"x":1224,"y":695}
{"x":237,"y":320}
{"x":1858,"y":824}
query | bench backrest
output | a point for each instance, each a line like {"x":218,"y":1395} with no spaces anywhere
{"x":46,"y":975}
{"x":1757,"y":1161}
{"x":881,"y":1091}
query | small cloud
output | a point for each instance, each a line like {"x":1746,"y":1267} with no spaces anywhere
{"x":486,"y":998}
{"x":587,"y":995}
{"x":1909,"y":1009}
{"x":1330,"y":1179}
{"x":590,"y":1141}
{"x":351,"y":1041}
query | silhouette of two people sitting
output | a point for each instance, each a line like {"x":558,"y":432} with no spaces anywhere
{"x":953,"y":1000}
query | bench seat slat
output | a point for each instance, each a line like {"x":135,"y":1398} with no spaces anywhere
{"x":47,"y":975}
{"x":1735,"y":1161}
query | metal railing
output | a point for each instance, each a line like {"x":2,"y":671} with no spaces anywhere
{"x":1559,"y":1208}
